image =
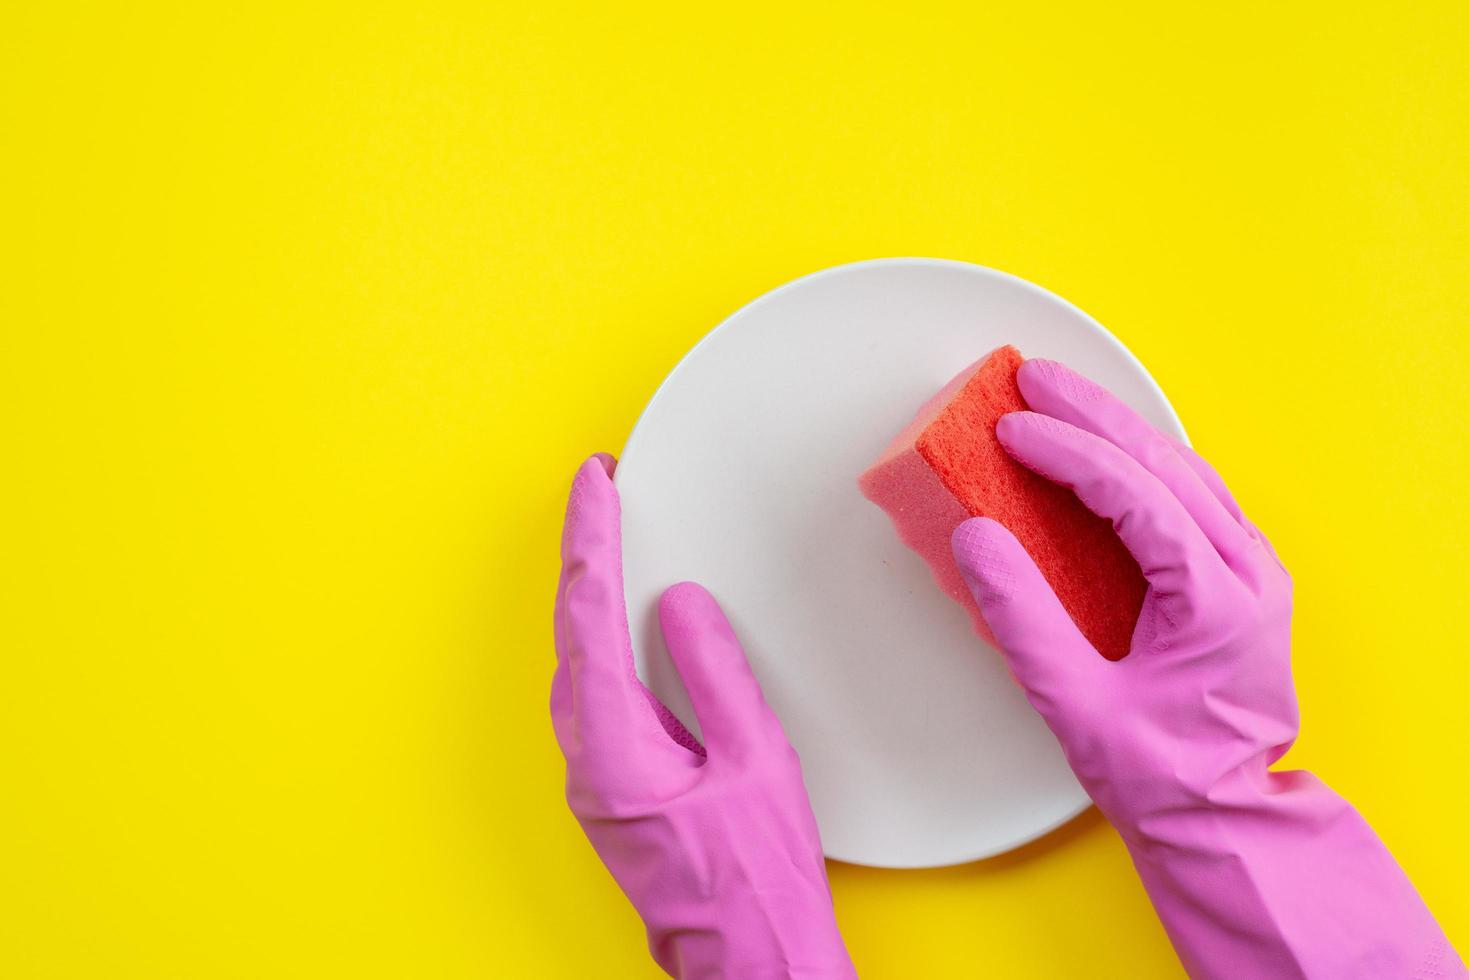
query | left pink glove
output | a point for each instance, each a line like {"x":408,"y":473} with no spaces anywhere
{"x":717,"y":849}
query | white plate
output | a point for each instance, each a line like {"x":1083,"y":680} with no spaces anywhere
{"x":918,"y":748}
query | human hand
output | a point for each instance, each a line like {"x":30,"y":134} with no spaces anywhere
{"x":1254,"y":873}
{"x":714,"y":844}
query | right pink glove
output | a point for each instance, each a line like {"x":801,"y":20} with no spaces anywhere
{"x":1254,"y":873}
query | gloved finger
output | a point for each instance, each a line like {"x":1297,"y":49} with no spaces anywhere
{"x":1210,"y":478}
{"x":733,"y":715}
{"x":1053,"y":389}
{"x":1046,"y":652}
{"x":595,"y":693}
{"x":1169,"y":548}
{"x":1216,"y":484}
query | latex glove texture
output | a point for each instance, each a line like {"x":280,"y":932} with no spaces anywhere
{"x":1254,"y":873}
{"x":714,"y":844}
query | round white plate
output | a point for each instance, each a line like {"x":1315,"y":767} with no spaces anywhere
{"x":917,"y":747}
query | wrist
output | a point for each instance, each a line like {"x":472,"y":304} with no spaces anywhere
{"x":788,"y":930}
{"x":1275,"y":875}
{"x":805,"y":949}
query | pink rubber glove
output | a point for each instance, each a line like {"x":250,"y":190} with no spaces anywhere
{"x":1254,"y":873}
{"x":718,"y":852}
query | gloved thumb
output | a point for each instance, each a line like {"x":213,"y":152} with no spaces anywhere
{"x":1047,"y":653}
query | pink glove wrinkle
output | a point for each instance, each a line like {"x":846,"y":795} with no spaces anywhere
{"x":715,"y":845}
{"x":1254,"y":873}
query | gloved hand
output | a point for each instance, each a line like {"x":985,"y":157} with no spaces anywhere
{"x":1254,"y":873}
{"x":717,"y":850}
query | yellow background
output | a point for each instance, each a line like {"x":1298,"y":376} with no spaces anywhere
{"x":309,"y":314}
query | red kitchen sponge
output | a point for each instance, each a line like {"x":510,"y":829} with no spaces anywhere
{"x":947,"y":466}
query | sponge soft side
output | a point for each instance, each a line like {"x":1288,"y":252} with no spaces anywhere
{"x":947,"y":466}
